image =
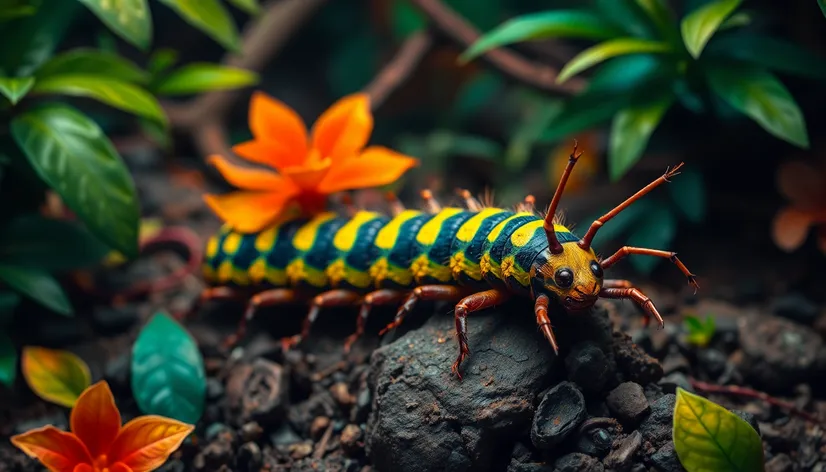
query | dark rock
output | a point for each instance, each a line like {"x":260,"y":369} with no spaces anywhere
{"x":559,"y":413}
{"x":217,"y":453}
{"x":780,"y":463}
{"x":795,"y":307}
{"x":712,"y":361}
{"x":302,"y":415}
{"x":420,"y":407}
{"x":588,"y":367}
{"x":108,"y":320}
{"x":628,"y":403}
{"x":172,"y":465}
{"x":529,"y":467}
{"x":675,"y":362}
{"x":653,"y":392}
{"x":748,"y":418}
{"x":783,"y":437}
{"x":656,"y":428}
{"x":596,"y":436}
{"x":249,"y":458}
{"x":258,"y":392}
{"x":670,"y":382}
{"x":116,"y":372}
{"x":621,"y":457}
{"x":634,"y":363}
{"x":578,"y":462}
{"x":819,"y":467}
{"x":666,"y":460}
{"x":284,"y":436}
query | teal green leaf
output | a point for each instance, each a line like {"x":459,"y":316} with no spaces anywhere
{"x":73,"y":156}
{"x":762,"y":97}
{"x":211,"y":17}
{"x":701,"y":24}
{"x":543,"y":25}
{"x":654,"y":230}
{"x":29,"y":241}
{"x":630,"y":131}
{"x":15,"y":88}
{"x":628,"y":73}
{"x":630,"y":16}
{"x":38,"y":286}
{"x":113,"y":92}
{"x":161,"y":60}
{"x":405,"y":19}
{"x":129,"y":19}
{"x":606,"y":50}
{"x":689,"y":194}
{"x":92,"y":62}
{"x":35,"y":38}
{"x":8,"y":360}
{"x":168,"y":376}
{"x":251,"y":7}
{"x":709,"y":437}
{"x":203,"y":77}
{"x":772,"y":53}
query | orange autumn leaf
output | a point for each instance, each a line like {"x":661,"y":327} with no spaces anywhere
{"x":804,"y":185}
{"x":55,"y":375}
{"x":304,"y":168}
{"x":98,"y":442}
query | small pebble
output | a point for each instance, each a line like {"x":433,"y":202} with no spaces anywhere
{"x":666,"y":460}
{"x":628,"y":403}
{"x":578,"y":462}
{"x":341,"y":393}
{"x":588,"y":367}
{"x":215,"y":430}
{"x":795,"y":307}
{"x":656,"y":428}
{"x":596,"y":436}
{"x":675,"y":362}
{"x":251,"y":431}
{"x":284,"y":436}
{"x":620,"y":458}
{"x":780,"y":463}
{"x":559,"y":413}
{"x":670,"y":382}
{"x":320,"y":424}
{"x":300,"y":450}
{"x":350,"y":439}
{"x":215,"y":389}
{"x":249,"y":457}
{"x":713,"y":362}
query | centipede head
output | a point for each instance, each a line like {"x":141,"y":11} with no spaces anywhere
{"x":573,"y":277}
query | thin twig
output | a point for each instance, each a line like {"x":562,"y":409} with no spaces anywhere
{"x":399,"y":69}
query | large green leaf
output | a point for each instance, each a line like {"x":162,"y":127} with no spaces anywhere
{"x":31,"y":41}
{"x":689,"y":194}
{"x":630,"y":16}
{"x":8,"y":360}
{"x":73,"y":156}
{"x":630,"y":132}
{"x":548,"y":24}
{"x":37,"y":285}
{"x":251,"y":7}
{"x":663,"y":18}
{"x":761,"y":96}
{"x":701,"y":24}
{"x":606,"y":50}
{"x":129,"y":19}
{"x":709,"y":437}
{"x":15,"y":88}
{"x":629,"y":73}
{"x":94,"y":62}
{"x":203,"y":77}
{"x":30,"y":241}
{"x":168,"y":376}
{"x":656,"y":229}
{"x":772,"y":53}
{"x":211,"y":17}
{"x":114,"y":92}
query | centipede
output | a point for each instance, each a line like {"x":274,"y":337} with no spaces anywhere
{"x":473,"y":255}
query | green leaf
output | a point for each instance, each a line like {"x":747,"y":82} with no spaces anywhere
{"x":628,"y":73}
{"x":606,"y":50}
{"x":203,"y":77}
{"x":701,"y":24}
{"x":251,"y":7}
{"x":37,"y":285}
{"x":655,"y":230}
{"x":543,"y":25}
{"x":822,"y":5}
{"x":477,"y":93}
{"x":406,"y":19}
{"x":689,"y":194}
{"x":736,"y":20}
{"x":663,"y":18}
{"x":693,"y":324}
{"x":92,"y":62}
{"x":8,"y":360}
{"x":129,"y":19}
{"x":161,"y":60}
{"x":35,"y":38}
{"x":630,"y":16}
{"x":119,"y":94}
{"x":630,"y":132}
{"x":771,"y":53}
{"x":760,"y":96}
{"x":11,"y":9}
{"x":29,"y":241}
{"x":211,"y":17}
{"x":15,"y":88}
{"x":73,"y":156}
{"x":168,"y":376}
{"x":709,"y":437}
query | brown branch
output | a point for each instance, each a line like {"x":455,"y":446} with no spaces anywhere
{"x":530,"y":73}
{"x":399,"y":69}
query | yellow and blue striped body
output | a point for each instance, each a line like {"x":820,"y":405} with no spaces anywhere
{"x":489,"y":248}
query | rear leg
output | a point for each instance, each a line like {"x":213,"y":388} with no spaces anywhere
{"x":209,"y":294}
{"x":476,"y":302}
{"x":332,"y":298}
{"x":372,"y":299}
{"x":425,"y":293}
{"x":276,"y":296}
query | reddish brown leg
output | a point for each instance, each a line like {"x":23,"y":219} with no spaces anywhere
{"x":424,"y":293}
{"x":430,"y":202}
{"x":544,"y":323}
{"x":396,"y":207}
{"x":616,"y":283}
{"x":372,"y":299}
{"x":638,"y":297}
{"x":276,"y":296}
{"x":475,"y":302}
{"x":322,"y":300}
{"x":671,"y":256}
{"x":209,"y":294}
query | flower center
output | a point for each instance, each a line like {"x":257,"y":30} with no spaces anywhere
{"x":101,"y":463}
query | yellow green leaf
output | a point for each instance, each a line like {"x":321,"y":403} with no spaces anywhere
{"x":606,"y":50}
{"x":211,"y":17}
{"x":55,"y":375}
{"x":129,"y":19}
{"x":701,"y":24}
{"x":708,"y":437}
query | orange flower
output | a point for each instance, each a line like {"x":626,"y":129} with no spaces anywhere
{"x":332,"y":159}
{"x":98,"y":443}
{"x":804,"y":186}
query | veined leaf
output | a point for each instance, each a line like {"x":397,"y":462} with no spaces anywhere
{"x":701,"y":24}
{"x":606,"y":50}
{"x":543,"y":25}
{"x":709,"y":437}
{"x":55,"y":375}
{"x":29,"y":241}
{"x":761,"y":96}
{"x":129,"y":19}
{"x":655,"y":230}
{"x":15,"y":88}
{"x":772,"y":53}
{"x":211,"y":17}
{"x":249,"y":6}
{"x":73,"y":156}
{"x":38,"y":286}
{"x":689,"y":194}
{"x":203,"y":77}
{"x":119,"y":94}
{"x":630,"y":132}
{"x":93,"y":62}
{"x":8,"y":360}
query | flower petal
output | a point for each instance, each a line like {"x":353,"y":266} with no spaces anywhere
{"x":376,"y":166}
{"x":120,"y":467}
{"x":790,"y":228}
{"x":343,"y":130}
{"x":308,"y":177}
{"x":95,"y":419}
{"x":57,"y":450}
{"x":273,"y":122}
{"x":247,"y":178}
{"x":147,"y":441}
{"x":249,"y":212}
{"x":273,"y":155}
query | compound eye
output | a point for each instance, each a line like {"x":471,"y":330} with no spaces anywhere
{"x":596,"y":269}
{"x":564,"y":278}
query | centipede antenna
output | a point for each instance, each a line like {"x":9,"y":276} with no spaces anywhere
{"x":430,"y":202}
{"x":396,"y":206}
{"x":585,"y":242}
{"x":553,"y":243}
{"x":471,"y":202}
{"x":527,"y":205}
